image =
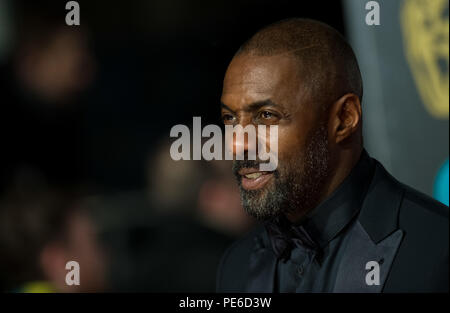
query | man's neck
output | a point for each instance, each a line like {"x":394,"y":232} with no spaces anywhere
{"x":341,"y":168}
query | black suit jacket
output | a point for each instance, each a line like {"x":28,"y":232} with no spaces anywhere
{"x":402,"y":228}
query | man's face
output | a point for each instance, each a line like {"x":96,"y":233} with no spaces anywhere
{"x":262,"y":90}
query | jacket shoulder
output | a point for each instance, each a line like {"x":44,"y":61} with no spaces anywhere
{"x":425,"y":220}
{"x":413,"y":203}
{"x":423,"y":202}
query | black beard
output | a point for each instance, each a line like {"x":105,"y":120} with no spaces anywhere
{"x":296,"y":187}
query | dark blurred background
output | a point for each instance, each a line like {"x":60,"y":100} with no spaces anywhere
{"x":87,"y":110}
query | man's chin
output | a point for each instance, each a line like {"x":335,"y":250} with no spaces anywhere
{"x":257,"y":205}
{"x":261,"y":215}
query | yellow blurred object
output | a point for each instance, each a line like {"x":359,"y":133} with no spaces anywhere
{"x":425,"y":27}
{"x":38,"y":287}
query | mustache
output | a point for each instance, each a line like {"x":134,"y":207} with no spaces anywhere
{"x":240,"y":164}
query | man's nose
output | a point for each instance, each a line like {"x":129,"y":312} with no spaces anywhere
{"x":242,"y":142}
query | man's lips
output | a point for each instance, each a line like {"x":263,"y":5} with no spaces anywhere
{"x":252,"y":179}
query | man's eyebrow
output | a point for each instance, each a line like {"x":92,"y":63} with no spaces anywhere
{"x":253,"y":106}
{"x":259,"y":104}
{"x":224,"y":106}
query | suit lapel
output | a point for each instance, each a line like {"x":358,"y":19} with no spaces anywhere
{"x":375,"y":236}
{"x":360,"y":250}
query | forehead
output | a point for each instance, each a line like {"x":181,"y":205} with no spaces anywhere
{"x":255,"y":78}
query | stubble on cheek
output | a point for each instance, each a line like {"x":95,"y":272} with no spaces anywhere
{"x":297,"y":183}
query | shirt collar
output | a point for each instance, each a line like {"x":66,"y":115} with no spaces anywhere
{"x":333,"y":214}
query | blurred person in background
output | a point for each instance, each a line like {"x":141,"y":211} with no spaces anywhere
{"x":42,"y":87}
{"x":204,"y":190}
{"x":40,"y":231}
{"x":200,"y":214}
{"x":219,"y":205}
{"x":170,"y":236}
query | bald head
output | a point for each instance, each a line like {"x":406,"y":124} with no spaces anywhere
{"x":325,"y":60}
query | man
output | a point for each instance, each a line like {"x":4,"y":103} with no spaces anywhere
{"x":334,"y":219}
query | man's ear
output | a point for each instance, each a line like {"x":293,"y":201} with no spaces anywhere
{"x":345,"y":117}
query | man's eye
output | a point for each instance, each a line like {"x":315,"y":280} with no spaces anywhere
{"x":266,"y":114}
{"x":227,"y":118}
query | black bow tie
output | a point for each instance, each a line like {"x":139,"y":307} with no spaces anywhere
{"x":284,"y":237}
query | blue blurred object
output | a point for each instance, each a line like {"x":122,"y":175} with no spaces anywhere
{"x":441,"y":186}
